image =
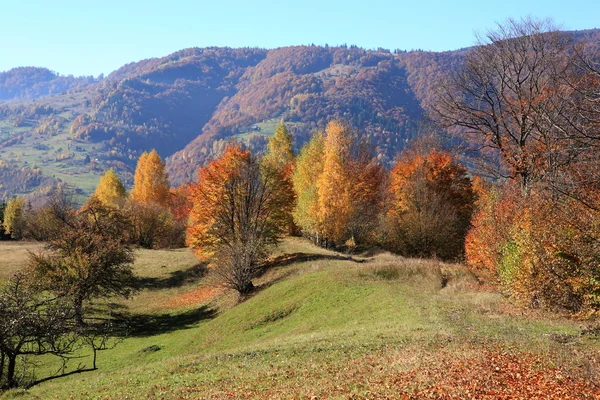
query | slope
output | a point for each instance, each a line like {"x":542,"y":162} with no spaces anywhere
{"x":327,"y":325}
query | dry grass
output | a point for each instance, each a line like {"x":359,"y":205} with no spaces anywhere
{"x":14,"y":256}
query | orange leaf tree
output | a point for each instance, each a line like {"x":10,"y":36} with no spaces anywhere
{"x":236,"y":216}
{"x":432,"y":202}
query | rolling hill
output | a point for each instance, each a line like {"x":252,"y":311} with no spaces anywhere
{"x":325,"y":325}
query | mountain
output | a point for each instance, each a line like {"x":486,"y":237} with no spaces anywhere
{"x":190,"y":104}
{"x":30,"y":83}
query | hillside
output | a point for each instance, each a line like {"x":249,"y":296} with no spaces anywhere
{"x":30,"y":83}
{"x":189,"y":104}
{"x":327,"y":325}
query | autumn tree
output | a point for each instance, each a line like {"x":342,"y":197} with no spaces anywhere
{"x":110,"y":190}
{"x":279,"y":163}
{"x":235,"y":216}
{"x":90,"y":259}
{"x":154,"y":225}
{"x":432,"y":202}
{"x":14,"y":219}
{"x":511,"y":102}
{"x":150,"y":182}
{"x":309,"y":166}
{"x":334,"y":185}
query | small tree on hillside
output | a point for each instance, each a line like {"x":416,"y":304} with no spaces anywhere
{"x":31,"y":324}
{"x":88,"y":260}
{"x":235,"y":216}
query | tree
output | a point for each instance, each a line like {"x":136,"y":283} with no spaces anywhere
{"x":432,"y":202}
{"x":334,"y":187}
{"x":366,"y":177}
{"x":31,"y":324}
{"x":150,"y":182}
{"x":110,"y":190}
{"x":14,"y":219}
{"x":511,"y":102}
{"x":279,"y":163}
{"x":88,"y":260}
{"x":309,"y":167}
{"x":235,"y":216}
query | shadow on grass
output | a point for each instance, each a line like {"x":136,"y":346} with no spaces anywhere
{"x":142,"y":325}
{"x":287,"y":259}
{"x":50,"y":378}
{"x":176,"y":279}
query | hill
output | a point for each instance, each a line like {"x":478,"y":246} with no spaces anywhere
{"x":325,"y":325}
{"x":30,"y":83}
{"x":189,"y":104}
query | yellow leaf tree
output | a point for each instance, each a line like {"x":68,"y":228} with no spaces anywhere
{"x":334,"y":184}
{"x":278,"y":164}
{"x":110,"y":191}
{"x":309,"y":167}
{"x":150,"y":183}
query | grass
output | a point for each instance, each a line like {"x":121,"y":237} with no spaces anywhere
{"x":327,"y":325}
{"x":13,"y":257}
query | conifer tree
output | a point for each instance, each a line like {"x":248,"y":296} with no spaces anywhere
{"x":14,"y":220}
{"x":150,"y":184}
{"x":309,"y":167}
{"x":110,"y":191}
{"x":334,"y":184}
{"x":278,"y":164}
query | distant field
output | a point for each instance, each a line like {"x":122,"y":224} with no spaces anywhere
{"x":326,"y":325}
{"x":13,"y":257}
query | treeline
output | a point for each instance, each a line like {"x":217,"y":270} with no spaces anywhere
{"x":30,"y":83}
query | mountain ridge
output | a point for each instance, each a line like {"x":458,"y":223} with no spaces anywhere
{"x":191,"y":103}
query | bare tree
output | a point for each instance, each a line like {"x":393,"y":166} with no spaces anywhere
{"x":512,"y":102}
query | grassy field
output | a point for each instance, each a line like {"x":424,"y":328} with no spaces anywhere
{"x":325,"y":325}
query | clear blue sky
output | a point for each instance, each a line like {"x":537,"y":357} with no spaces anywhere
{"x":81,"y":37}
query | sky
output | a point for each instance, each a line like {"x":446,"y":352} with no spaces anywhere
{"x":81,"y":37}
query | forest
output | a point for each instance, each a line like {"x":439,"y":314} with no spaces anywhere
{"x":501,"y":177}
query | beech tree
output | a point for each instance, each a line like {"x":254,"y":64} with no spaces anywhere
{"x":432,"y":202}
{"x":235,"y":216}
{"x":110,"y":190}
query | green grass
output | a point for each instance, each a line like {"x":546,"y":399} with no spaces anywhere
{"x":321,"y":324}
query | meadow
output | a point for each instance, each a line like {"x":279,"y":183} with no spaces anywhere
{"x":326,"y":325}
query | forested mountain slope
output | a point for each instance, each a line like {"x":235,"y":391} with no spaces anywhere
{"x":189,"y":104}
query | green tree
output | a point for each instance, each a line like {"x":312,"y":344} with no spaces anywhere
{"x":14,"y":219}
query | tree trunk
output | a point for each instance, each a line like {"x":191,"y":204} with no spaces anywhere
{"x":78,"y":309}
{"x":10,"y":372}
{"x":1,"y":366}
